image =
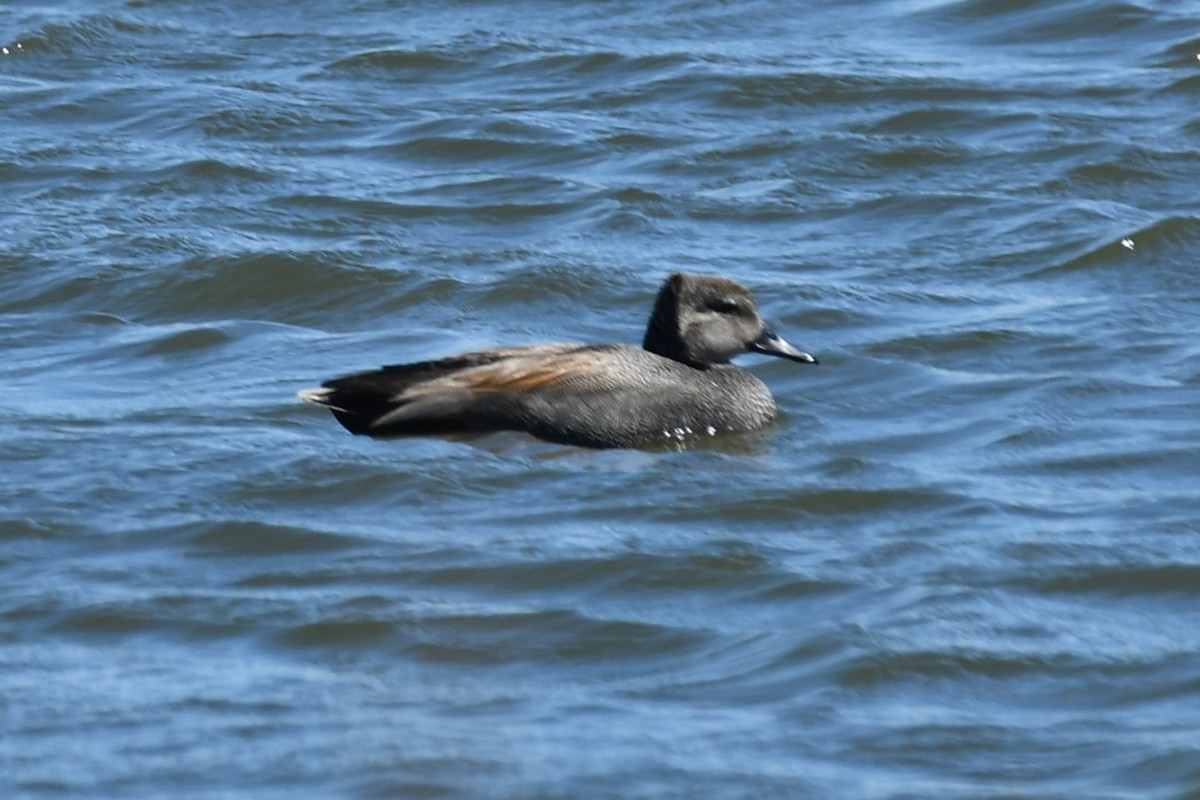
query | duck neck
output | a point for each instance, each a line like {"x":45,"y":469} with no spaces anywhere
{"x":662,"y":334}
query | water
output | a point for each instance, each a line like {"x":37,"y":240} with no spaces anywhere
{"x":965,"y":564}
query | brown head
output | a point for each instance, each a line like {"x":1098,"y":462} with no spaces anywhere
{"x":703,"y":320}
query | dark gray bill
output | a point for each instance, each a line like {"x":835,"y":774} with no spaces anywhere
{"x":772,"y":345}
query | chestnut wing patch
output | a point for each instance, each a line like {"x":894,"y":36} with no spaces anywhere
{"x":525,"y":371}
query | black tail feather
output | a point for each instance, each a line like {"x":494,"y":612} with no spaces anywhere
{"x":359,"y":402}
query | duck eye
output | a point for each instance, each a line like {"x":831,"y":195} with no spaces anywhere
{"x":724,"y":306}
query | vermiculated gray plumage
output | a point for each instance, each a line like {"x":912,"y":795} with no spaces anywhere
{"x":594,"y":395}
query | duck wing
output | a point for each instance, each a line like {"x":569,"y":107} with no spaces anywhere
{"x":478,"y":391}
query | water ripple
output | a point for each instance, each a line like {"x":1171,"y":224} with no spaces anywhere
{"x":961,"y":563}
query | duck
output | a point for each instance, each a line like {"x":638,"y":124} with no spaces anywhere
{"x":678,"y":384}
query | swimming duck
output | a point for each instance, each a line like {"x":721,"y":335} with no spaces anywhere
{"x":679,"y":383}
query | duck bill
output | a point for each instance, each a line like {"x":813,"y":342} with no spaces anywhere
{"x":772,"y":345}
